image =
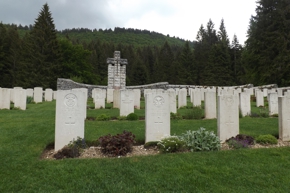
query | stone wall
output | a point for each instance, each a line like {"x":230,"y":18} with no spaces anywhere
{"x":67,"y":84}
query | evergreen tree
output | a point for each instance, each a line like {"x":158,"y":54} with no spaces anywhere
{"x":186,"y":71}
{"x":44,"y":51}
{"x":266,"y":58}
{"x":236,"y":54}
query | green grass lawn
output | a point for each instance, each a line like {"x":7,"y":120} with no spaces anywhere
{"x":24,"y":135}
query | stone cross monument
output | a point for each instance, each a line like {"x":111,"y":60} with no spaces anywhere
{"x":117,"y":71}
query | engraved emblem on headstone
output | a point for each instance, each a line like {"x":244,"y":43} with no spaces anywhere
{"x":229,"y":100}
{"x":70,"y":100}
{"x":158,"y":101}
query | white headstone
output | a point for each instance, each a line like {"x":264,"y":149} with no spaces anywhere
{"x":228,"y":116}
{"x":29,"y":92}
{"x":110,"y":95}
{"x":48,"y":94}
{"x":37,"y":94}
{"x":284,"y":117}
{"x":196,"y":97}
{"x":99,"y":98}
{"x":116,"y":102}
{"x":210,"y":104}
{"x":126,"y":102}
{"x":273,"y":103}
{"x":4,"y":98}
{"x":54,"y":95}
{"x":182,"y":102}
{"x":259,"y":98}
{"x":245,"y":103}
{"x":157,"y":116}
{"x":265,"y":92}
{"x":20,"y":98}
{"x":69,"y":121}
{"x":137,"y":96}
{"x":172,"y":100}
{"x":201,"y":94}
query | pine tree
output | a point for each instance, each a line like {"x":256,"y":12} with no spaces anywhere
{"x":44,"y":51}
{"x":236,"y":67}
{"x":267,"y":51}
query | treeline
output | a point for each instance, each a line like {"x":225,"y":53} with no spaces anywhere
{"x":42,"y":55}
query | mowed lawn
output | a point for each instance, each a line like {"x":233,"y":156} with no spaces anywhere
{"x":25,"y":134}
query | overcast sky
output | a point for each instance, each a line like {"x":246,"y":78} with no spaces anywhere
{"x":179,"y":18}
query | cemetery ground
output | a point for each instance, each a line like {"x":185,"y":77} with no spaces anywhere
{"x":25,"y":134}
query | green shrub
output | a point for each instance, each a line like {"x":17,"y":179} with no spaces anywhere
{"x":171,"y":144}
{"x":266,"y":139}
{"x":116,"y":145}
{"x":122,"y":118}
{"x":132,"y":117}
{"x":240,"y":141}
{"x":103,"y":117}
{"x":71,"y":150}
{"x":29,"y":100}
{"x":175,"y":116}
{"x":200,"y":140}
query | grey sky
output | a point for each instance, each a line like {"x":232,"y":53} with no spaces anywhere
{"x":180,"y":18}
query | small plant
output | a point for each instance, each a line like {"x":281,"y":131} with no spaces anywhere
{"x":200,"y":140}
{"x":266,"y":139}
{"x":122,"y":118}
{"x":275,"y":115}
{"x":117,"y":145}
{"x":240,"y":141}
{"x":132,"y":117}
{"x":264,"y":112}
{"x":71,"y":150}
{"x":29,"y":100}
{"x":175,"y":116}
{"x":254,"y":115}
{"x":171,"y":144}
{"x":150,"y":144}
{"x":103,"y":117}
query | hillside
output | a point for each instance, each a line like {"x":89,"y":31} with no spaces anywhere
{"x":117,"y":36}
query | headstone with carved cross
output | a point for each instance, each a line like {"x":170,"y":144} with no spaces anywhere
{"x":69,"y":117}
{"x":228,"y":115}
{"x":117,"y":71}
{"x":157,"y":115}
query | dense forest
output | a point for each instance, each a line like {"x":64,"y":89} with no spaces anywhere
{"x":38,"y":54}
